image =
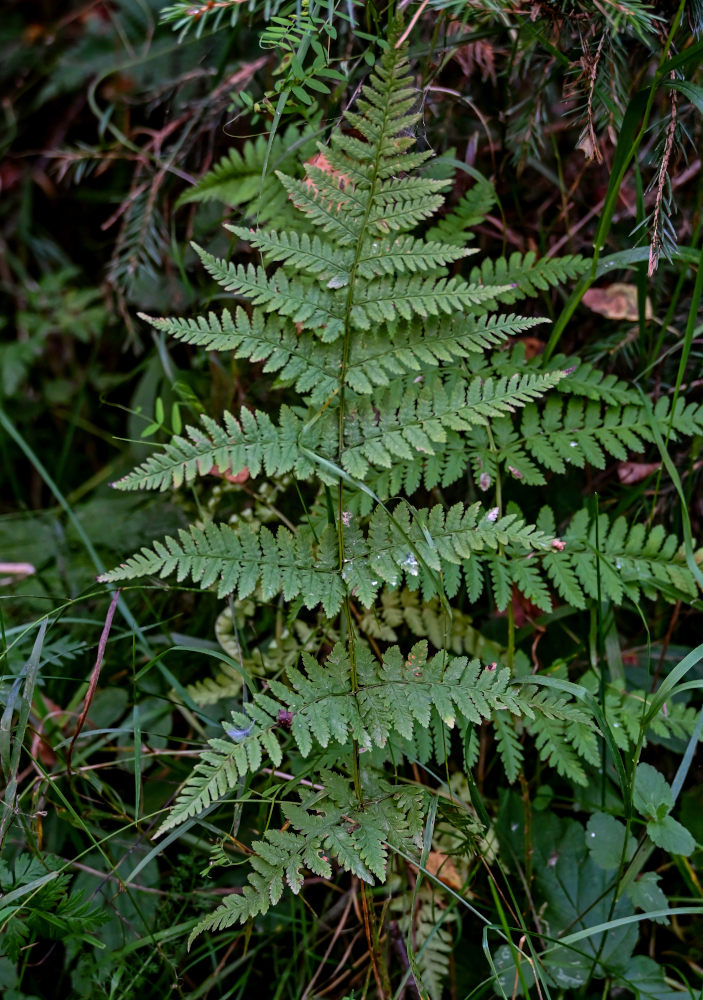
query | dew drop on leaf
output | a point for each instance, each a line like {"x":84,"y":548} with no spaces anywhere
{"x":410,"y":564}
{"x":338,"y":281}
{"x":238,"y":734}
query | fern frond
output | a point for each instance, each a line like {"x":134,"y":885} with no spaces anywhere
{"x":509,"y":746}
{"x":387,"y":351}
{"x":236,"y":560}
{"x":405,"y":253}
{"x":272,"y":656}
{"x":308,"y":254}
{"x":311,"y":305}
{"x":526,"y":275}
{"x":300,"y":358}
{"x":379,"y":360}
{"x":526,"y":575}
{"x":385,"y":301}
{"x":303,"y":361}
{"x":318,"y":707}
{"x":427,"y":618}
{"x":422,"y":544}
{"x":456,"y":226}
{"x":277,"y":862}
{"x":226,"y":683}
{"x":554,"y":746}
{"x":143,"y":238}
{"x":398,"y":207}
{"x":236,"y":179}
{"x":252,"y":442}
{"x":627,"y":560}
{"x":585,"y":380}
{"x":412,"y":417}
{"x":576,"y":432}
{"x":581,"y":432}
{"x":390,"y":425}
{"x":335,"y":212}
{"x":625,"y":711}
{"x":324,"y":826}
{"x":429,"y":929}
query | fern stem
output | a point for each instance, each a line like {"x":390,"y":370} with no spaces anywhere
{"x":510,"y":653}
{"x":499,"y":483}
{"x":346,"y":351}
{"x":509,"y":611}
{"x":372,"y":931}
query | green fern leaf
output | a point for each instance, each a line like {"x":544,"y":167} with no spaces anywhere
{"x":237,"y":178}
{"x":470,"y":212}
{"x":301,"y":359}
{"x":405,"y":254}
{"x":236,"y":560}
{"x":526,"y":275}
{"x":308,"y":254}
{"x":585,"y":380}
{"x":250,"y":442}
{"x":408,"y":419}
{"x":312,"y":306}
{"x":555,"y":749}
{"x":509,"y":746}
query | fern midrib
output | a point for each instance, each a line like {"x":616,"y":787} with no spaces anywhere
{"x":346,"y":349}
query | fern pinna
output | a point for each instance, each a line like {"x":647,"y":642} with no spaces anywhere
{"x":393,"y":395}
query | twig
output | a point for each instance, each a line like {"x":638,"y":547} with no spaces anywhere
{"x":396,"y":936}
{"x":338,"y":930}
{"x":94,"y":676}
{"x":112,"y":877}
{"x":413,"y":21}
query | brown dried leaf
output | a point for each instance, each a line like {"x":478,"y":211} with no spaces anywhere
{"x":476,"y":55}
{"x":320,"y":162}
{"x":42,"y":751}
{"x":239,"y":477}
{"x":442,"y":867}
{"x":589,"y":149}
{"x":635,"y":472}
{"x":616,"y":301}
{"x":533,"y":346}
{"x":524,"y":611}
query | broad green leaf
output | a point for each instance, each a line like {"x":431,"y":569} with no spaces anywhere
{"x":652,"y":795}
{"x":605,"y":838}
{"x":511,"y":981}
{"x":646,"y":895}
{"x":670,"y":835}
{"x":644,"y":977}
{"x":578,"y":895}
